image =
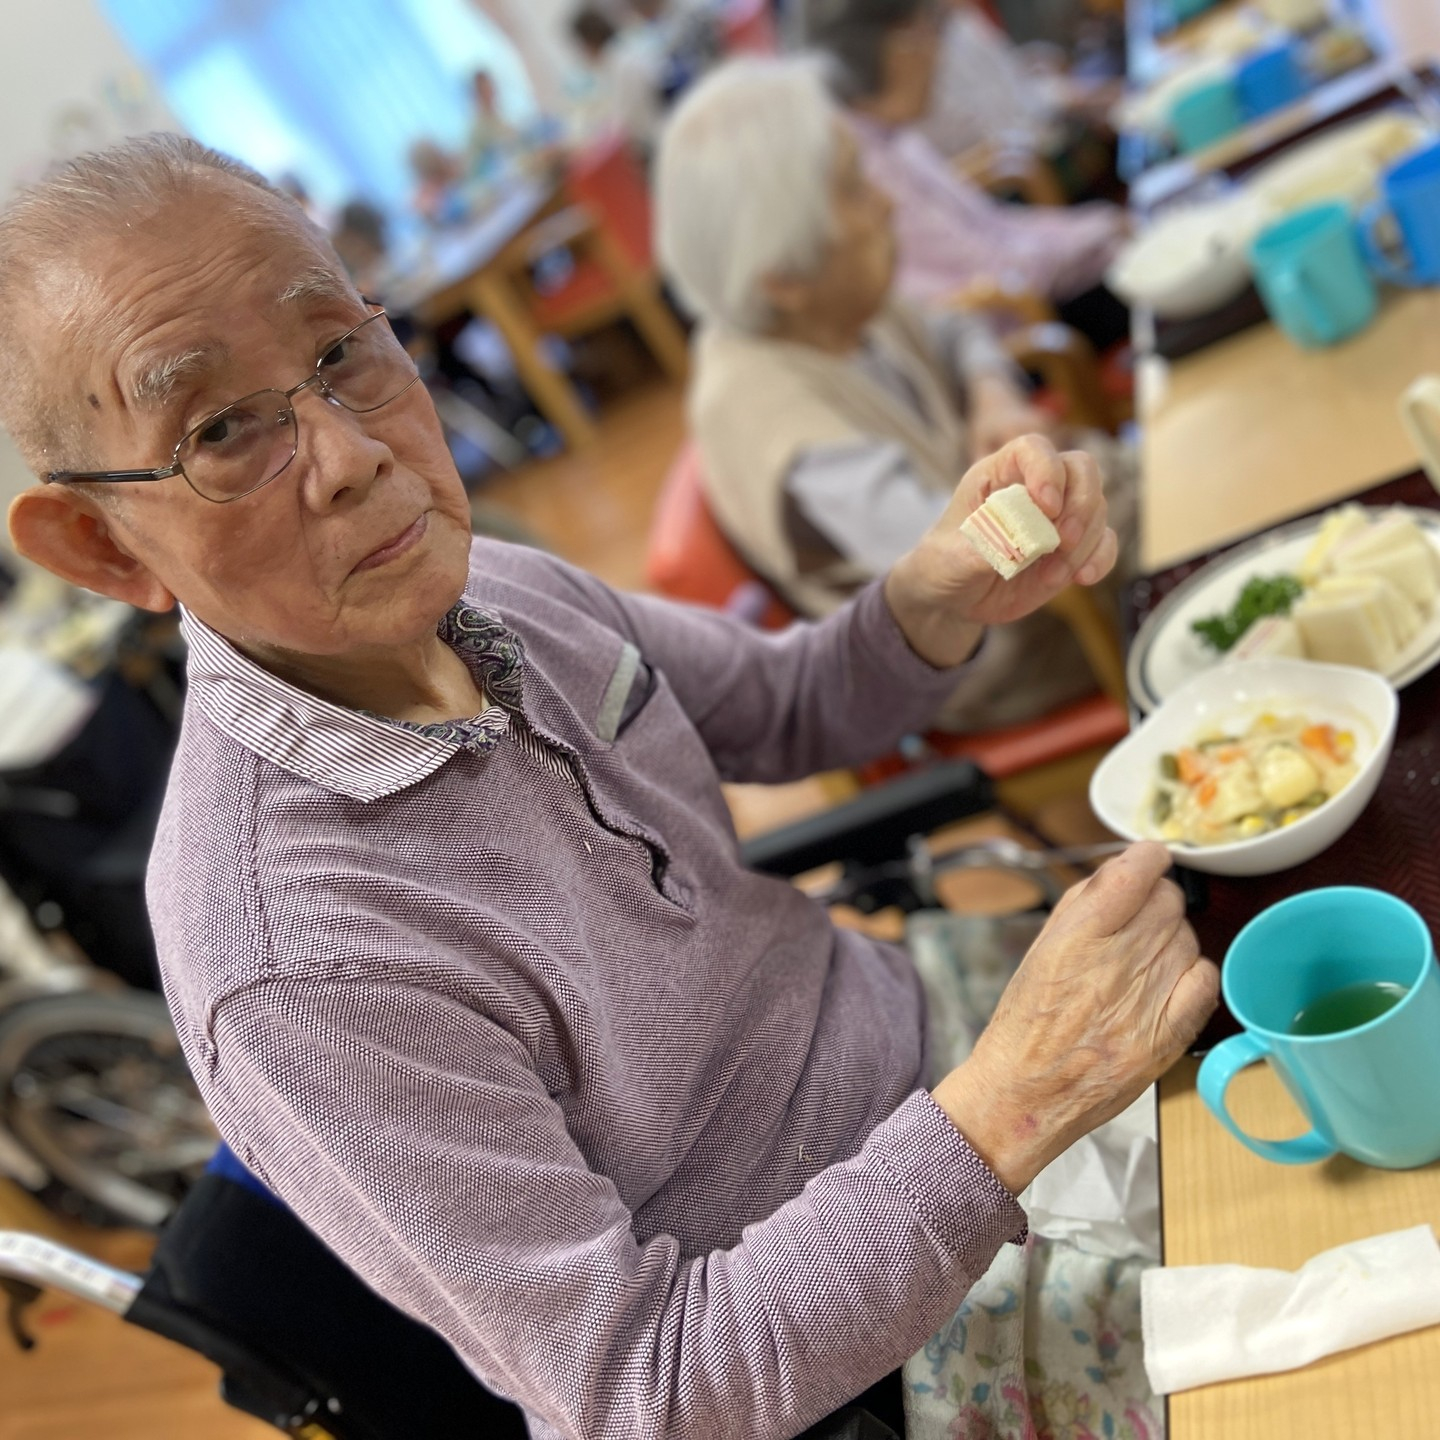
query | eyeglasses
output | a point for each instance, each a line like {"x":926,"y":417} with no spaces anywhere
{"x":238,"y":450}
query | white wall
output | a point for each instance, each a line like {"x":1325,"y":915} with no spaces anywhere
{"x":67,"y":84}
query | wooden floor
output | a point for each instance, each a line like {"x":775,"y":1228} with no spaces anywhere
{"x":93,"y":1378}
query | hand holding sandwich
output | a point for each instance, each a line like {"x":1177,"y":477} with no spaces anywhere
{"x":946,"y":588}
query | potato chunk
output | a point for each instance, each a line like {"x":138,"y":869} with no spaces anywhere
{"x":1286,"y":776}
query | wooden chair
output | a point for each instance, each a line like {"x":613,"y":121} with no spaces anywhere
{"x":1097,"y":391}
{"x":1011,"y":169}
{"x":606,"y":230}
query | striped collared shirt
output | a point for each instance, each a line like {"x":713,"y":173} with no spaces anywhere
{"x":498,"y":1012}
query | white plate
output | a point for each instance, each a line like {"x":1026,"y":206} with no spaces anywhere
{"x":1167,"y":652}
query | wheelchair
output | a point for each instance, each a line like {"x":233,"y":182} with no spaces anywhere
{"x":301,"y":1343}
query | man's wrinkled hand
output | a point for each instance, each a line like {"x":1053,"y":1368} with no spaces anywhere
{"x":943,"y":589}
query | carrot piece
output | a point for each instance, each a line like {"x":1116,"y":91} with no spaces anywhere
{"x":1229,"y":754}
{"x":1192,"y":766}
{"x":1206,"y":791}
{"x":1322,"y":738}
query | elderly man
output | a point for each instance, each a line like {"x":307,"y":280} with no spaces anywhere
{"x":447,"y":901}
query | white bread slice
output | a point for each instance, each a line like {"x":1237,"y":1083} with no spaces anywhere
{"x":1274,"y":635}
{"x":1347,"y":626}
{"x":1337,"y":527}
{"x":1011,"y":531}
{"x":1401,"y":617}
{"x":1396,"y":549}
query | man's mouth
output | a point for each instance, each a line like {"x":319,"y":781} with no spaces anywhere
{"x":393,"y":549}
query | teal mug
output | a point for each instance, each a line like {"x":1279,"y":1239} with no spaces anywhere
{"x":1206,"y":114}
{"x":1312,"y":276}
{"x":1310,"y":979}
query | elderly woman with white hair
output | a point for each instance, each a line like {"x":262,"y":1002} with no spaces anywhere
{"x":832,"y":420}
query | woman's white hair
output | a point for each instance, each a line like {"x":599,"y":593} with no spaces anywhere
{"x":742,"y":186}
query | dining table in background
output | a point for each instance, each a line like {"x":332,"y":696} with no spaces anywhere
{"x":468,"y":268}
{"x":1253,"y":430}
{"x":1221,"y":1204}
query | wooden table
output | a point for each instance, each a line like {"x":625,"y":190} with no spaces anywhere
{"x":1348,"y":96}
{"x":1254,"y":430}
{"x":467,"y":270}
{"x":1221,"y":1204}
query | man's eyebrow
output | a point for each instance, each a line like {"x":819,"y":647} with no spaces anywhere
{"x":317,"y":284}
{"x":156,"y":379}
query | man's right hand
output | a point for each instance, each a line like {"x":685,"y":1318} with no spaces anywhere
{"x":1109,"y":997}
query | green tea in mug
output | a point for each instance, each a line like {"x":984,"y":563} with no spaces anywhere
{"x":1347,"y":1008}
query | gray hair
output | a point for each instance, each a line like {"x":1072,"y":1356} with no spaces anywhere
{"x":742,"y":186}
{"x":93,"y":196}
{"x":850,"y":35}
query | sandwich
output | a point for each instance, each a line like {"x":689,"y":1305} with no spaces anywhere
{"x":1337,"y":527}
{"x":1396,"y":549}
{"x":1268,"y":637}
{"x":1346,"y":620}
{"x":1011,"y":531}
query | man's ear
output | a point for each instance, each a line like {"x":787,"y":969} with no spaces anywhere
{"x":67,"y":533}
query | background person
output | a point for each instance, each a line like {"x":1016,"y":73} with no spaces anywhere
{"x":881,"y":58}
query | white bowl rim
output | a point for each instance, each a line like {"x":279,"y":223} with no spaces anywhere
{"x":1311,"y":669}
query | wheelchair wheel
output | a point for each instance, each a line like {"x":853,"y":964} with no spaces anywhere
{"x":95,"y":1087}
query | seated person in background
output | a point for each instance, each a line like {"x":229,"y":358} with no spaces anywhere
{"x":832,"y":420}
{"x":360,"y":241}
{"x":493,"y":143}
{"x":450,"y":912}
{"x":622,"y":89}
{"x":881,"y":58}
{"x":438,"y":198}
{"x":988,"y":91}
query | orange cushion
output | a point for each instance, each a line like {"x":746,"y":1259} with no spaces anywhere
{"x":1097,"y":720}
{"x":689,"y":557}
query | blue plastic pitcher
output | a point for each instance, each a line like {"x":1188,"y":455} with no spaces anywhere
{"x":1411,"y":194}
{"x":1271,"y":79}
{"x":1372,"y":1091}
{"x":1312,"y":277}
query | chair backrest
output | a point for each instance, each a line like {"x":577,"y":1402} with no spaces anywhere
{"x":748,"y":28}
{"x":605,"y":177}
{"x":238,"y":1278}
{"x":690,"y":558}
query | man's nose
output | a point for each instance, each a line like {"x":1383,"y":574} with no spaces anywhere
{"x":338,"y":455}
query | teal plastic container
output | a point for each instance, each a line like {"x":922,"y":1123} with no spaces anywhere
{"x":1312,"y":276}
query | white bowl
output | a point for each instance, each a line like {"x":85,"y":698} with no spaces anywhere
{"x":1231,"y":696}
{"x":1190,"y":262}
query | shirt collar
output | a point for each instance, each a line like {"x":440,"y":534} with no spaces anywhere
{"x":347,"y":752}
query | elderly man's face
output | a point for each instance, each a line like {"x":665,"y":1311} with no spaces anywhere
{"x":361,"y":542}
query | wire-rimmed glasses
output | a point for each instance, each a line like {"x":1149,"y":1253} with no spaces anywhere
{"x":243,"y":447}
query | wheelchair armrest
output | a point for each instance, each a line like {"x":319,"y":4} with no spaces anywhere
{"x":876,"y":824}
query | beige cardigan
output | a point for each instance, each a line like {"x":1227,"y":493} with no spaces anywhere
{"x":756,"y":404}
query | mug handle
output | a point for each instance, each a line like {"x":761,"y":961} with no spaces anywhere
{"x":1218,"y":1069}
{"x":1420,"y":410}
{"x":1375,"y":256}
{"x":1290,"y":286}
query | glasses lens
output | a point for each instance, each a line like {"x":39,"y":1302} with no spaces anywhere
{"x":366,"y":368}
{"x":239,"y":448}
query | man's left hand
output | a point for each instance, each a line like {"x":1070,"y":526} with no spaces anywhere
{"x":943,"y":590}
